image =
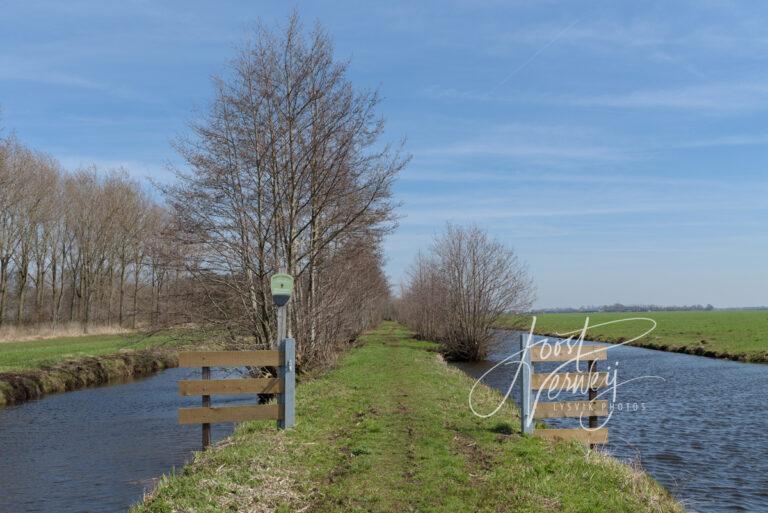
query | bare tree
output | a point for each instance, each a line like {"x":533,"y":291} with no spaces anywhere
{"x":14,"y":168}
{"x":457,"y":294}
{"x":75,"y":235}
{"x":287,"y":171}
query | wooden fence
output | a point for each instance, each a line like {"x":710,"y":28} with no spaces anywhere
{"x":592,"y":380}
{"x":283,"y":386}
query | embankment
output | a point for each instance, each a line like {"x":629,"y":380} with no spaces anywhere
{"x":660,"y":346}
{"x":728,"y":335}
{"x":389,"y":429}
{"x":18,"y":387}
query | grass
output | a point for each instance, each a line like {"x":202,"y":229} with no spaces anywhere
{"x":390,"y":430}
{"x":34,"y":354}
{"x":739,"y":335}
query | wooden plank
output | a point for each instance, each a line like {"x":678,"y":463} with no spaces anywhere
{"x":598,"y":436}
{"x":564,"y":353}
{"x":231,"y":386}
{"x":230,"y":358}
{"x":571,"y":409}
{"x":229,"y":414}
{"x":566,"y":380}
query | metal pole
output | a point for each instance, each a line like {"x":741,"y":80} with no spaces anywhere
{"x":287,"y":369}
{"x":526,"y":423}
{"x":287,"y":372}
{"x":592,"y":396}
{"x":206,"y":404}
{"x":282,"y":314}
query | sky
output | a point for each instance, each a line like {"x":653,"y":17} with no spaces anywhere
{"x":620,"y":148}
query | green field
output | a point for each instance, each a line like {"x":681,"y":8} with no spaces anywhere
{"x":739,"y":335}
{"x":33,"y":354}
{"x":390,"y":430}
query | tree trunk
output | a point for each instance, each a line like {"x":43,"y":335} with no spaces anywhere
{"x":3,"y":287}
{"x":23,"y":276}
{"x":136,"y":271}
{"x":121,"y":293}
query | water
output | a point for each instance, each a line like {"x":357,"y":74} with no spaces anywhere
{"x":97,"y":449}
{"x":702,"y":431}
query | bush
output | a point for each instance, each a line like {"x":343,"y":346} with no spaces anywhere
{"x":456,"y":293}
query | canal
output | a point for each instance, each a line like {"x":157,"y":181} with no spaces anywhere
{"x":97,"y":449}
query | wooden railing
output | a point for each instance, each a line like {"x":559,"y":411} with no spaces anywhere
{"x":283,"y":386}
{"x":592,"y":381}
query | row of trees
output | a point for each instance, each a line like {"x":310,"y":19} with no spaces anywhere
{"x":80,"y":247}
{"x":456,"y":292}
{"x":618,"y":307}
{"x":286,"y":171}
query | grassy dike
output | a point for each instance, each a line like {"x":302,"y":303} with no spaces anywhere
{"x":32,"y":369}
{"x":733,"y":335}
{"x":390,"y":430}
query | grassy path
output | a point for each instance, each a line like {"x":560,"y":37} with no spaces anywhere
{"x":390,"y":430}
{"x":734,"y":335}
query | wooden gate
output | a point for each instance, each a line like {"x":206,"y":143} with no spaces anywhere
{"x":592,"y":380}
{"x":283,"y":386}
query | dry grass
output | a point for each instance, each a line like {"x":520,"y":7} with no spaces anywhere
{"x":634,"y":481}
{"x":73,"y":329}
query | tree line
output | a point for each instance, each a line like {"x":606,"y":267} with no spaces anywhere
{"x":76,"y":247}
{"x":619,"y":307}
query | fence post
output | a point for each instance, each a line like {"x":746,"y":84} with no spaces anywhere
{"x":206,"y":403}
{"x":287,"y":372}
{"x":526,"y":423}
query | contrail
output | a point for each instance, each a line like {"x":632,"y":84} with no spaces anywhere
{"x":537,"y":53}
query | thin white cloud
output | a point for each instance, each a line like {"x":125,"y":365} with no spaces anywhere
{"x":720,"y":97}
{"x":27,"y":70}
{"x":725,"y":140}
{"x":532,"y":142}
{"x":14,"y":69}
{"x":527,"y":150}
{"x":469,"y":212}
{"x":605,"y":33}
{"x":710,"y":97}
{"x":743,"y":34}
{"x":536,"y":176}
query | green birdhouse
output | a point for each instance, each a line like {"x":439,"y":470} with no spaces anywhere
{"x":282,"y":287}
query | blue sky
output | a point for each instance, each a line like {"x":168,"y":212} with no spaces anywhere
{"x":619,"y":147}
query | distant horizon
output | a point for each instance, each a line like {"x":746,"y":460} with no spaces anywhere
{"x":669,"y":308}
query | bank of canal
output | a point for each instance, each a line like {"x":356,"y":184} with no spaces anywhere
{"x":700,"y":427}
